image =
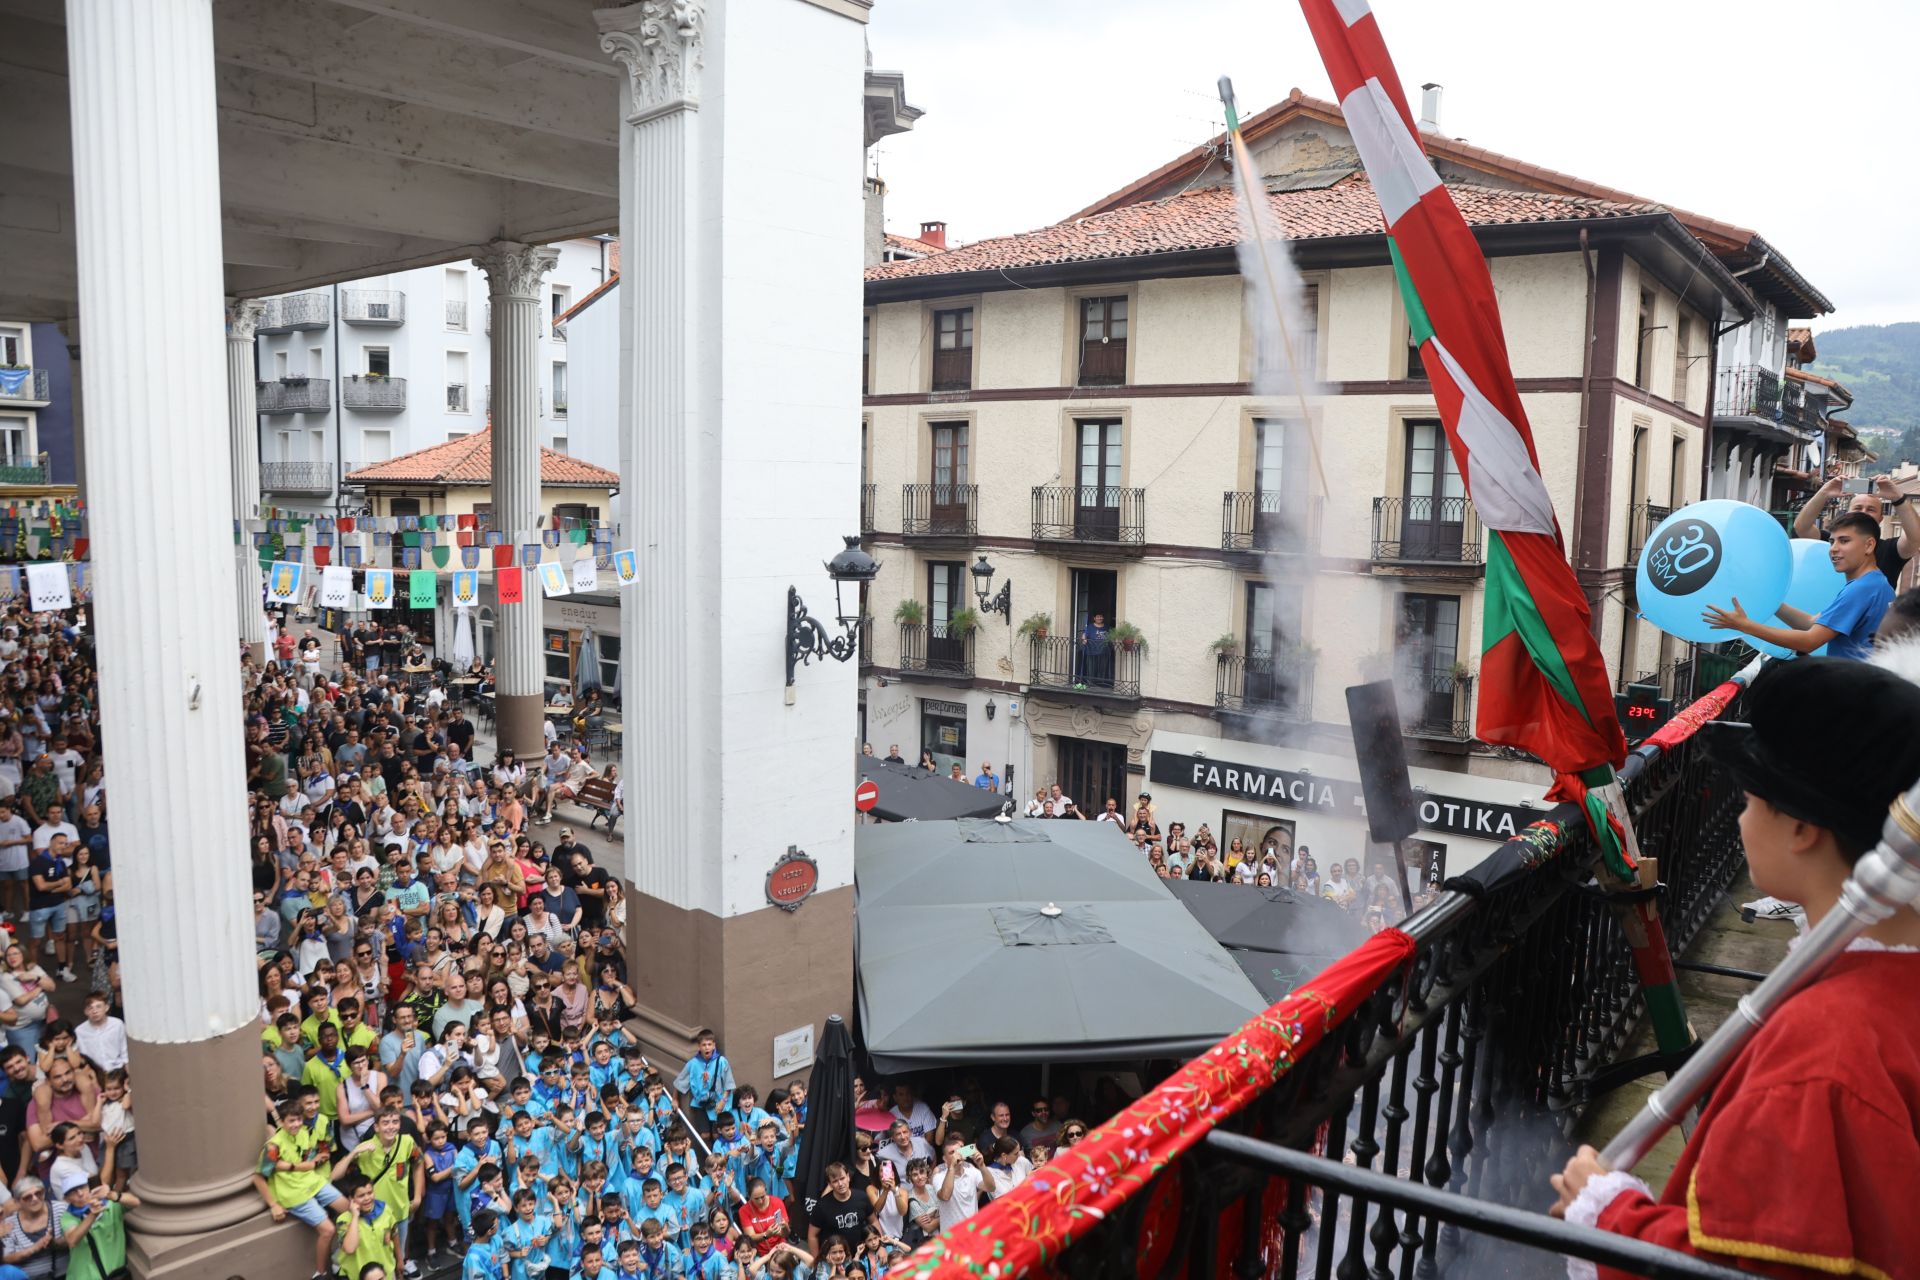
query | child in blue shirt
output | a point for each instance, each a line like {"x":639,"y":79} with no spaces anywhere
{"x":526,"y":1238}
{"x":482,"y":1262}
{"x":775,"y":1161}
{"x":706,"y":1082}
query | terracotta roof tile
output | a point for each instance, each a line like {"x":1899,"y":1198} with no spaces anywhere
{"x":911,"y":244}
{"x":469,"y":461}
{"x":1206,"y":218}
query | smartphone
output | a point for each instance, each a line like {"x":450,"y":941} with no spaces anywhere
{"x":886,"y":1172}
{"x":1858,"y":484}
{"x":958,"y":1106}
{"x":969,"y":1151}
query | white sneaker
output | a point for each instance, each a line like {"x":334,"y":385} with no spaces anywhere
{"x":1772,"y":908}
{"x":67,"y":974}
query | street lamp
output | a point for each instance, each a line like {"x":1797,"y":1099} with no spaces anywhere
{"x":1002,"y":603}
{"x":807,"y":637}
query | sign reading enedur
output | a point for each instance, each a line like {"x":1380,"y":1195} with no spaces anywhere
{"x":1482,"y":819}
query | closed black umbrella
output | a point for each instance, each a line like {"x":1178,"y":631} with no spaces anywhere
{"x":829,"y":1133}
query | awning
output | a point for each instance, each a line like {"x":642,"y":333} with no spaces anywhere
{"x":1278,"y":938}
{"x":912,"y":794}
{"x":1030,"y":941}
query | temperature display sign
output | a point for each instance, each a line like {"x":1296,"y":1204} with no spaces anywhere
{"x":1641,"y":710}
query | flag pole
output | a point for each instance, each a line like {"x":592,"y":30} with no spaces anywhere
{"x":1637,"y":911}
{"x":1244,"y":163}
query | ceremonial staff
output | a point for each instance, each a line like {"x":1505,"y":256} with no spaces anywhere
{"x":1884,"y":881}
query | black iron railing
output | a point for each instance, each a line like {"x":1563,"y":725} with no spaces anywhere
{"x":1437,"y":702}
{"x":866,"y":641}
{"x":1265,"y":684}
{"x":1642,"y":519}
{"x":1251,"y":520}
{"x":25,"y":384}
{"x":295,"y":395}
{"x":1426,"y":530}
{"x":935,"y":650}
{"x":373,"y":393}
{"x":938,"y":510}
{"x":1463,"y":1073}
{"x":1089,"y":513}
{"x":296,"y":477}
{"x":868,"y":494}
{"x":1063,"y":662}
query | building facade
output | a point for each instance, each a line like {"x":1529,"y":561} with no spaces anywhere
{"x":355,"y":374}
{"x":39,"y":448}
{"x":1074,"y":405}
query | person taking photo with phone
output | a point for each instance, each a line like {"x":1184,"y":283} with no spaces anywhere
{"x":1878,"y":499}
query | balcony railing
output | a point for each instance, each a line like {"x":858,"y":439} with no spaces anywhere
{"x":931,"y":649}
{"x":868,"y":495}
{"x":295,"y":395}
{"x":456,"y":397}
{"x":368,"y":393}
{"x":938,"y":510}
{"x":1746,"y":390}
{"x":296,"y":477}
{"x":1265,"y":684}
{"x":1436,"y":703}
{"x":24,"y":468}
{"x":1455,"y":1067}
{"x":1089,"y":513}
{"x":24,"y":386}
{"x":952,"y":370}
{"x":865,"y":632}
{"x":296,"y":311}
{"x":1259,"y":521}
{"x":373,"y":306}
{"x":1426,"y":531}
{"x":456,"y":314}
{"x":1642,"y":519}
{"x":1062,"y":662}
{"x":1103,"y":364}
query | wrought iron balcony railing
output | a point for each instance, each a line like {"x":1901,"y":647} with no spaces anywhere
{"x":295,"y":395}
{"x":373,"y":306}
{"x":296,"y":311}
{"x":456,"y":314}
{"x":24,"y":386}
{"x":296,"y":477}
{"x":1265,"y":684}
{"x":1262,"y":521}
{"x":23,"y":468}
{"x":938,"y":510}
{"x":1062,"y":662}
{"x":1426,"y":531}
{"x":370,"y":394}
{"x":866,"y":640}
{"x":931,"y":648}
{"x":1437,"y":702}
{"x":1642,"y":519}
{"x":869,"y":493}
{"x":1089,"y":514}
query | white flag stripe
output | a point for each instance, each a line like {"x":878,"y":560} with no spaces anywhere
{"x":1507,"y":491}
{"x":1396,"y":166}
{"x":1351,"y":11}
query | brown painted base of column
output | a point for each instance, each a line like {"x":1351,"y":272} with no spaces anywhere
{"x":521,"y":724}
{"x":259,"y":1249}
{"x":749,"y":977}
{"x":201,"y":1130}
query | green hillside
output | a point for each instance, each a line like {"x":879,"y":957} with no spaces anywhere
{"x":1880,"y":364}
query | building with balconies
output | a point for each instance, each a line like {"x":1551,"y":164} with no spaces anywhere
{"x":1074,"y":405}
{"x":39,"y":448}
{"x":378,"y":368}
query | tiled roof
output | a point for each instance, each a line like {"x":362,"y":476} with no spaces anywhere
{"x":598,"y":292}
{"x":910,"y":244}
{"x":1205,"y":218}
{"x":469,"y":461}
{"x":1801,"y":341}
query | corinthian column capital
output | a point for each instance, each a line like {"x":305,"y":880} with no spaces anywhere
{"x":514,"y":270}
{"x":660,"y":43}
{"x":243,"y":318}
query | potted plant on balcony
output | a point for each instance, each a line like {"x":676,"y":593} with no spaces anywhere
{"x":963,"y":622}
{"x":1036,"y":626}
{"x":1225,"y":645}
{"x":910,"y":613}
{"x":1458,"y":670}
{"x":1127,"y":636}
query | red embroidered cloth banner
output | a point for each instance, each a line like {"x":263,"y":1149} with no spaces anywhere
{"x":1064,"y":1198}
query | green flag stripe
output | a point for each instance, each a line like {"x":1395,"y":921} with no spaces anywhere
{"x":1509,"y":610}
{"x":1417,"y":323}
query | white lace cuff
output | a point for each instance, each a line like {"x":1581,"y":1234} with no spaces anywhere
{"x":1587,"y":1207}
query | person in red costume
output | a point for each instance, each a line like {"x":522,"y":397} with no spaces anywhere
{"x":1805,"y":1158}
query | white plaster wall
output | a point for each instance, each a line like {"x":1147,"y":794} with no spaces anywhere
{"x":593,"y":372}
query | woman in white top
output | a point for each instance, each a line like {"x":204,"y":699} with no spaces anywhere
{"x":28,"y":1241}
{"x":26,"y":987}
{"x":73,"y":1162}
{"x":357,"y":1096}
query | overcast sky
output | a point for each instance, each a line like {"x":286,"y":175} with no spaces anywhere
{"x":1792,"y":119}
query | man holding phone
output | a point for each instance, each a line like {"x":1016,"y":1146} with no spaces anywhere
{"x":964,"y":1176}
{"x":1872,"y":498}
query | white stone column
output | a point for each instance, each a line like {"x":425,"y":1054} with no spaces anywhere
{"x":147,"y":220}
{"x":514,"y":275}
{"x":243,"y":435}
{"x":739,"y":439}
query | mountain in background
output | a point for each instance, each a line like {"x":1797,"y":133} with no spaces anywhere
{"x":1880,"y":364}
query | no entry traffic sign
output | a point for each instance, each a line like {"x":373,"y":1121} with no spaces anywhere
{"x":866,"y":795}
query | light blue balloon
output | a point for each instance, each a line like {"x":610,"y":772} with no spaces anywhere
{"x":1709,"y":554}
{"x":1814,"y":584}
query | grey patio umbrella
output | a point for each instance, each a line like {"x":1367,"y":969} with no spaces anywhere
{"x":586,"y":669}
{"x":911,"y":794}
{"x":1279,"y":938}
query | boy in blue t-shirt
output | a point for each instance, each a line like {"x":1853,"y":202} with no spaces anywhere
{"x":482,"y":1261}
{"x":1845,"y":626}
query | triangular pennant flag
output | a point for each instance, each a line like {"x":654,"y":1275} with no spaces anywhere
{"x":410,"y":538}
{"x":442,"y":556}
{"x":508,"y":584}
{"x":469,"y":554}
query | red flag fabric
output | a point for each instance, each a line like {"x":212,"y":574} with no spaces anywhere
{"x":502,"y":556}
{"x":322,"y":557}
{"x":508,"y":584}
{"x":466,"y":521}
{"x":346,"y":524}
{"x":464,"y":537}
{"x":1024,"y":1230}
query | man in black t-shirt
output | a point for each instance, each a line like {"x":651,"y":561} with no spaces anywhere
{"x":839,"y":1212}
{"x":15,"y":1098}
{"x":590,"y":882}
{"x":1885,"y":502}
{"x":460,"y":730}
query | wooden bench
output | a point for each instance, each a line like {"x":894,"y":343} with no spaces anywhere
{"x":596,"y":794}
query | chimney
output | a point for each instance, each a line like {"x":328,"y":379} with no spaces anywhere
{"x":1430,"y":107}
{"x":934,"y":233}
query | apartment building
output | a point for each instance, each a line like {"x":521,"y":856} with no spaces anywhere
{"x":1070,"y":408}
{"x":358,"y":373}
{"x":39,"y":447}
